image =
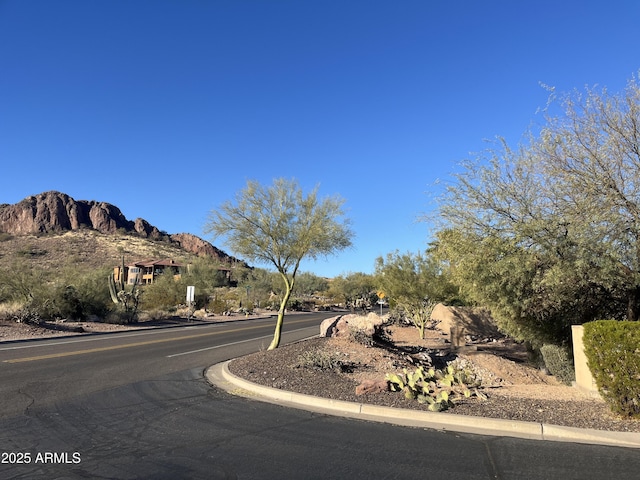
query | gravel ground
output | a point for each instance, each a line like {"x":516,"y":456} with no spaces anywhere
{"x":534,"y":400}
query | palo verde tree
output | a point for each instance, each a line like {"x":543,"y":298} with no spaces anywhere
{"x":279,"y":226}
{"x":352,"y":288}
{"x":414,"y":283}
{"x":548,"y":234}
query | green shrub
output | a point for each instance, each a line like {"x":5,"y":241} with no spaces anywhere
{"x":559,"y":362}
{"x":612,"y":349}
{"x":217,"y":305}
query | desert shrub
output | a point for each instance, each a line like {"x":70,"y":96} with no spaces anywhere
{"x":69,"y":304}
{"x":559,"y":362}
{"x":361,"y":336}
{"x":75,"y":296}
{"x":21,"y":283}
{"x":8,"y":310}
{"x":217,"y":305}
{"x":613,"y":355}
{"x":93,"y":291}
{"x":162,"y":294}
{"x":153,"y":315}
{"x":364,"y":329}
{"x":398,"y":316}
{"x":27,"y":314}
{"x":319,"y":360}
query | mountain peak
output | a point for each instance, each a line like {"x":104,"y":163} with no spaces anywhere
{"x":53,"y":211}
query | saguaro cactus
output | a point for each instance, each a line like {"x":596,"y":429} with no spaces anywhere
{"x":120,"y":295}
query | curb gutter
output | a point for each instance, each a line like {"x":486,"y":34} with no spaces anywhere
{"x":220,"y":376}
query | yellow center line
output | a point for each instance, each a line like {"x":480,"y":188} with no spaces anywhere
{"x":129,"y":345}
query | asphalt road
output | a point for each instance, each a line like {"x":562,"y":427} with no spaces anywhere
{"x":131,"y":406}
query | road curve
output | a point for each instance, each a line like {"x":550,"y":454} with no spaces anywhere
{"x":146,"y":411}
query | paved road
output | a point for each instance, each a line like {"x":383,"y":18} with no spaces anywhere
{"x":104,"y":410}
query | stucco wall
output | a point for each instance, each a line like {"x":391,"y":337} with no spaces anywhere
{"x":584,"y":379}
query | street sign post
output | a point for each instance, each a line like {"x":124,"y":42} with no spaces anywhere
{"x":191,"y":297}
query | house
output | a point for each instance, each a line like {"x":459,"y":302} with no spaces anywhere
{"x":146,"y":271}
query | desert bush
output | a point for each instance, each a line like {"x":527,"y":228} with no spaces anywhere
{"x":27,"y":314}
{"x":21,"y":283}
{"x":364,"y":329}
{"x":76,"y":296}
{"x":559,"y":362}
{"x":8,"y":310}
{"x":613,"y":355}
{"x":398,"y":316}
{"x":163,"y":293}
{"x":319,"y":360}
{"x":361,"y":336}
{"x":217,"y":305}
{"x":153,"y":315}
{"x":69,"y":304}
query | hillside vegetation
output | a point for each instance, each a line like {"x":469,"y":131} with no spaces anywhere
{"x":84,"y":249}
{"x":65,"y":275}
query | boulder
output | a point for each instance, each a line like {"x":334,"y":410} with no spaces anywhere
{"x":465,"y":320}
{"x":339,"y":326}
{"x":328,"y":325}
{"x":372,"y":386}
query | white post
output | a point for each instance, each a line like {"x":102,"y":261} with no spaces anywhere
{"x":191,"y":295}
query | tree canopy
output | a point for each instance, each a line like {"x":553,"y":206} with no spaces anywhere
{"x":279,"y":226}
{"x":414,"y":282}
{"x":547,"y":234}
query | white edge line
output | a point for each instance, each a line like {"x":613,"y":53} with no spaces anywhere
{"x":229,"y":344}
{"x":101,"y":336}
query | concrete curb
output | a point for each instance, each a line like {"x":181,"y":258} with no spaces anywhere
{"x":220,"y":376}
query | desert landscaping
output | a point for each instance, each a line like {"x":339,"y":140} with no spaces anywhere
{"x":510,"y":388}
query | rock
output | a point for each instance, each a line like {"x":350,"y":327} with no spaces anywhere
{"x":366,"y":323}
{"x":57,"y":212}
{"x":328,"y":326}
{"x":473,"y":321}
{"x":145,"y":229}
{"x":200,"y":247}
{"x":372,"y":386}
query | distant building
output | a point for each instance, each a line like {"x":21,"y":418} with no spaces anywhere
{"x":145,"y":272}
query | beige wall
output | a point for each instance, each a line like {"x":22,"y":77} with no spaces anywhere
{"x":584,"y":379}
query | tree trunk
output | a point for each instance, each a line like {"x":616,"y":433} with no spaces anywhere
{"x":633,"y":304}
{"x":278,"y":331}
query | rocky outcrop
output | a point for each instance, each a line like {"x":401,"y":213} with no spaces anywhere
{"x":57,"y":212}
{"x":145,"y":229}
{"x":196,"y":245}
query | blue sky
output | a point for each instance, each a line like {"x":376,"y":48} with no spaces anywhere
{"x":165,"y":108}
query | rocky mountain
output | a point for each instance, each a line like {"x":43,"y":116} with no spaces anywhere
{"x":55,"y":212}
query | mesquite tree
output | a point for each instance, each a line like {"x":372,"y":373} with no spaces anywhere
{"x":548,"y":234}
